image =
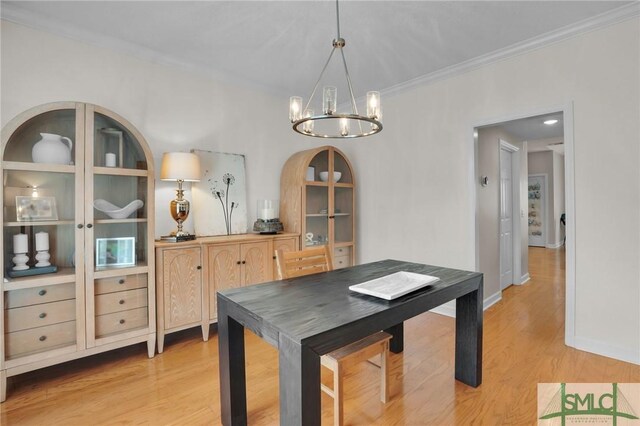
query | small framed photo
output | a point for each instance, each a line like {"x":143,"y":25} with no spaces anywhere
{"x":29,"y":209}
{"x":115,"y":252}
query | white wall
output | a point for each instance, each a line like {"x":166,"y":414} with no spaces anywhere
{"x":417,"y":174}
{"x":174,"y":109}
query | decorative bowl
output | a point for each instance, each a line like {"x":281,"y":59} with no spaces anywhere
{"x":115,"y":212}
{"x":324,"y":176}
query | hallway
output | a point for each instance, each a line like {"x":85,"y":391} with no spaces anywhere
{"x":523,"y":346}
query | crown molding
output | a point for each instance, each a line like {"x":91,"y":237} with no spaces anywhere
{"x":602,"y":20}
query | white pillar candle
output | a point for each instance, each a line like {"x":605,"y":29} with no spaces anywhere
{"x":110,"y":159}
{"x":42,"y":241}
{"x":267,"y":214}
{"x":20,"y":243}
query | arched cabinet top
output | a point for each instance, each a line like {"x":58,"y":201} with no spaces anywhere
{"x":322,"y":159}
{"x":91,"y":129}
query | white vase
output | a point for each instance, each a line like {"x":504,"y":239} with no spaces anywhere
{"x":52,"y":149}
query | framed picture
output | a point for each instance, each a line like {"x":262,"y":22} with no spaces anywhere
{"x":30,"y":209}
{"x":220,"y":198}
{"x":115,"y":251}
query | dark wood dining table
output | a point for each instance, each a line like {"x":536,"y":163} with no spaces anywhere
{"x":309,"y":316}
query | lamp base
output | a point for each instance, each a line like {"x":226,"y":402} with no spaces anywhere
{"x":177,"y":238}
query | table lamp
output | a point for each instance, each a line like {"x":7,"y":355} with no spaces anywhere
{"x":180,"y":167}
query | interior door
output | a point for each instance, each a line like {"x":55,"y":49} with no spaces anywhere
{"x":537,"y":204}
{"x":506,"y":219}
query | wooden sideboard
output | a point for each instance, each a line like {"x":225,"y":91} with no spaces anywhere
{"x":188,"y":274}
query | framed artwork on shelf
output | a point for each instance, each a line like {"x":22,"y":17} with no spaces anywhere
{"x":115,"y":252}
{"x":29,"y":209}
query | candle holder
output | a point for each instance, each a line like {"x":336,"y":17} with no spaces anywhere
{"x":268,"y":221}
{"x":20,"y":260}
{"x":43,"y":259}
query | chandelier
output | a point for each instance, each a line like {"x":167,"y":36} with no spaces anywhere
{"x":330,"y":123}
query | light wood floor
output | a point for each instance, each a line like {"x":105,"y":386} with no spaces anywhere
{"x":523,"y":345}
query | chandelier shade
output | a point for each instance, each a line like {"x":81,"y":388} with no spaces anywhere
{"x":329,"y":123}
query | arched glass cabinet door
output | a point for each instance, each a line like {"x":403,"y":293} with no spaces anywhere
{"x":42,"y":164}
{"x":119,"y":180}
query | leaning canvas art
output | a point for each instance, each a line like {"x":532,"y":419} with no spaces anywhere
{"x":220,"y":198}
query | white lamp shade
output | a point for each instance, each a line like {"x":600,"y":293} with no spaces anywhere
{"x":180,"y":166}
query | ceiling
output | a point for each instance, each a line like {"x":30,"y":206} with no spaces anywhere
{"x":282,"y":45}
{"x":533,"y":128}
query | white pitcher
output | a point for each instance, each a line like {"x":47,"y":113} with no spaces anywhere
{"x":52,"y":148}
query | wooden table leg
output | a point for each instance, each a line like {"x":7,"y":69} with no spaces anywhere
{"x":233,"y":387}
{"x":299,"y":384}
{"x":469,"y":338}
{"x":396,"y":345}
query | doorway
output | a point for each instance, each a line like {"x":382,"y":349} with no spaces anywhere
{"x":499,"y":251}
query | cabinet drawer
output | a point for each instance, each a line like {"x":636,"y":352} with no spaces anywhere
{"x":119,"y":322}
{"x":36,"y":295}
{"x":341,"y":262}
{"x":342,"y":251}
{"x":121,"y":301}
{"x":40,"y":315}
{"x":124,"y":282}
{"x":40,"y":339}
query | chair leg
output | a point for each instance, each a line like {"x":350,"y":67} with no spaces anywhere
{"x":337,"y":396}
{"x":384,"y":373}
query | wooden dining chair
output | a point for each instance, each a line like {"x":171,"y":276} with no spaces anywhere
{"x":293,"y":264}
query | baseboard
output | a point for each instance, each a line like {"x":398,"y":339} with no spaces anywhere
{"x":555,"y":246}
{"x":449,"y":308}
{"x":604,"y":349}
{"x":492,"y":300}
{"x":524,"y":278}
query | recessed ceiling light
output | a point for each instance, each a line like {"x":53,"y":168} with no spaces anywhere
{"x":550,"y":122}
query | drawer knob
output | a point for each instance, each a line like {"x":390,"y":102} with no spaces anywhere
{"x":198,"y":267}
{"x":42,"y":338}
{"x":122,"y":321}
{"x":43,"y":315}
{"x":80,"y":226}
{"x":121,"y":301}
{"x":238,"y":262}
{"x":121,"y":281}
{"x":42,"y":292}
{"x":89,"y":225}
{"x":244,"y":262}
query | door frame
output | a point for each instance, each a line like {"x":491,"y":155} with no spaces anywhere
{"x":570,"y":206}
{"x":516,"y":241}
{"x":545,"y":213}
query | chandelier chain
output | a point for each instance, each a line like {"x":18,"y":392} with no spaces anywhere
{"x":338,"y":19}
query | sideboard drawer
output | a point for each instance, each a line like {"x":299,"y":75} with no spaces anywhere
{"x":124,"y":282}
{"x":40,"y":339}
{"x":40,"y":315}
{"x":341,"y":262}
{"x":36,"y":295}
{"x":121,"y":301}
{"x":118,"y":322}
{"x":342,"y":251}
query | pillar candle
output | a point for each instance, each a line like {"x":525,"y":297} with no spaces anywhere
{"x":42,"y":241}
{"x":20,"y":243}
